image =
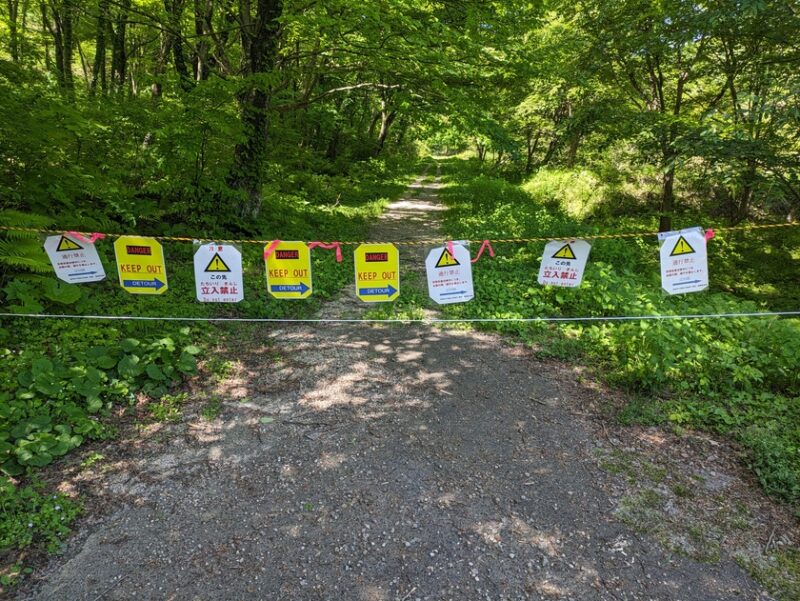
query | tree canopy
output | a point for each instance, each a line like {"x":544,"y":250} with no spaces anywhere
{"x":128,"y":110}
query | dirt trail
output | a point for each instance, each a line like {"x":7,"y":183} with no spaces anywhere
{"x":376,"y":463}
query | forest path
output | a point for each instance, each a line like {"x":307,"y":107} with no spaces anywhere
{"x":414,"y":216}
{"x":359,"y":462}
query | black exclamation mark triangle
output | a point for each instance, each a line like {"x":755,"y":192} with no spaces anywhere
{"x":217,"y":264}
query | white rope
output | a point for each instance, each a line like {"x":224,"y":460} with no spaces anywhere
{"x":423,"y":320}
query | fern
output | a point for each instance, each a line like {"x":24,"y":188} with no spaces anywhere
{"x":22,"y":251}
{"x":19,"y":219}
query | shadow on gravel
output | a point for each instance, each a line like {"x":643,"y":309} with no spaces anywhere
{"x":365,"y":463}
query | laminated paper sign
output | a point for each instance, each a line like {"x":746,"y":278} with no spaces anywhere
{"x":140,"y":263}
{"x":289,"y":270}
{"x":218,"y":273}
{"x":449,"y":275}
{"x":377,"y":272}
{"x":684,"y":261}
{"x":563,"y":263}
{"x":73,"y":260}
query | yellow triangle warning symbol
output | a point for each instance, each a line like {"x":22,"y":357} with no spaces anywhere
{"x":67,"y":244}
{"x":217,"y":264}
{"x":565,"y":252}
{"x":682,"y":247}
{"x":447,"y":260}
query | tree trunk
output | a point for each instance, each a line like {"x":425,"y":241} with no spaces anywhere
{"x":333,"y":145}
{"x":61,"y":29}
{"x":531,"y":145}
{"x":401,"y":134}
{"x":58,"y":43}
{"x":13,"y":33}
{"x":551,"y":150}
{"x":667,"y":193}
{"x":174,"y":9}
{"x":202,"y":18}
{"x":119,"y":56}
{"x":572,"y":151}
{"x":387,"y":118}
{"x":99,"y":65}
{"x":260,"y":44}
{"x":744,"y":202}
{"x":67,"y":13}
{"x":373,"y":124}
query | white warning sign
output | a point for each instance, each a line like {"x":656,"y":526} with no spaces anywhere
{"x":74,"y":261}
{"x":449,"y":275}
{"x":563,"y":263}
{"x":218,"y":273}
{"x":684,"y":262}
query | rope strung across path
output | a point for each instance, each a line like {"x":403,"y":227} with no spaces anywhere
{"x":422,"y":320}
{"x":734,"y":228}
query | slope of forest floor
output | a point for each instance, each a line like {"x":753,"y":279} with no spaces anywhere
{"x":409,"y":461}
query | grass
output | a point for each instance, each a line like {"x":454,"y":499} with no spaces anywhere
{"x":737,"y":377}
{"x":63,"y":378}
{"x":211,"y":409}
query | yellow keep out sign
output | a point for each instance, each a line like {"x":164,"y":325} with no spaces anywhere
{"x":289,"y":270}
{"x":377,"y":272}
{"x":140,"y":263}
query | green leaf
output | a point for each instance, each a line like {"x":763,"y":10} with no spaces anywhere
{"x":61,"y":292}
{"x":154,"y":372}
{"x":129,"y":344}
{"x":101,"y":357}
{"x":42,"y":366}
{"x":187,"y":363}
{"x":129,"y":366}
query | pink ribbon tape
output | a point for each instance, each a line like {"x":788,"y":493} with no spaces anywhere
{"x":450,"y":248}
{"x":270,"y":248}
{"x":90,"y":240}
{"x":486,"y":245}
{"x":331,"y":246}
{"x":709,"y":234}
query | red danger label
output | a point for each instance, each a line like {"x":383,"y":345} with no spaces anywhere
{"x":287,"y":254}
{"x":139,"y":250}
{"x":376,"y":257}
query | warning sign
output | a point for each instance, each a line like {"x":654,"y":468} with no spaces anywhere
{"x":682,"y":247}
{"x":217,"y":264}
{"x":289,"y":271}
{"x":446,"y":259}
{"x":449,"y":275}
{"x":563,"y":263}
{"x":377,"y":272}
{"x":140,"y":263}
{"x":74,"y":262}
{"x":684,"y":262}
{"x":218,"y":273}
{"x":565,"y":252}
{"x":67,"y":244}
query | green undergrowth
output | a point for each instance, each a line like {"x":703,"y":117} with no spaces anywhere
{"x":735,"y":376}
{"x":64,"y":381}
{"x":312,"y":207}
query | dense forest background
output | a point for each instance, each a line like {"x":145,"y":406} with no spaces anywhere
{"x":154,"y":114}
{"x":302,"y":119}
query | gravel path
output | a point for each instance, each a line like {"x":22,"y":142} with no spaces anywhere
{"x":375,"y":463}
